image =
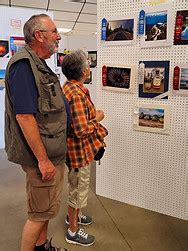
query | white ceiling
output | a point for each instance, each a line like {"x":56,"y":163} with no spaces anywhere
{"x":80,"y":15}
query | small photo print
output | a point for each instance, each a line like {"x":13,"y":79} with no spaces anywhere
{"x":4,"y":48}
{"x":184,"y":79}
{"x":120,"y":30}
{"x":92,"y":57}
{"x":118,"y":77}
{"x":156,"y":26}
{"x":151,"y":117}
{"x":181,"y":28}
{"x":89,"y":79}
{"x":2,"y":79}
{"x":180,"y":79}
{"x":154,"y":80}
{"x":60,"y":57}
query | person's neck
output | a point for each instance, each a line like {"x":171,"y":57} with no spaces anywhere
{"x":39,"y":51}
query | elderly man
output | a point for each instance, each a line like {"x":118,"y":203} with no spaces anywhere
{"x":35,"y":128}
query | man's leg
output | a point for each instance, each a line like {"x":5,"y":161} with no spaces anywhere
{"x":33,"y":232}
{"x":44,"y":196}
{"x":43,"y":235}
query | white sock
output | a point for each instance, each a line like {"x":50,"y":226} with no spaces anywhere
{"x":71,"y":233}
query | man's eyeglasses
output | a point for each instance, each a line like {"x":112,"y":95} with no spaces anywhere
{"x":55,"y":31}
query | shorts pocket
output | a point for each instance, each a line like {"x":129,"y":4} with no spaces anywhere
{"x":73,"y":178}
{"x":40,"y":194}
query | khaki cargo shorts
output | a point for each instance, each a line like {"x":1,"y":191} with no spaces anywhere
{"x":78,"y":186}
{"x":43,"y":197}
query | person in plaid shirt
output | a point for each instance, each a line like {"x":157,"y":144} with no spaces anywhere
{"x":85,"y":138}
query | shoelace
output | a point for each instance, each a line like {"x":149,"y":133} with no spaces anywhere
{"x":83,"y":217}
{"x":82,"y":234}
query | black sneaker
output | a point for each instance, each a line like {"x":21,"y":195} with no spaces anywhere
{"x":82,"y":220}
{"x":49,"y":247}
{"x":80,"y":238}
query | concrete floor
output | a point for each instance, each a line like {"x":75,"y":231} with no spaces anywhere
{"x":116,"y":226}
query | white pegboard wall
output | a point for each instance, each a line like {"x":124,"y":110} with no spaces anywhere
{"x":145,"y":169}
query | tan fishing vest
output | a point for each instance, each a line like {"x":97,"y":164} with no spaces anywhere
{"x":51,"y":115}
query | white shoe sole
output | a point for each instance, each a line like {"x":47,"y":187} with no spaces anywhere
{"x":78,"y":243}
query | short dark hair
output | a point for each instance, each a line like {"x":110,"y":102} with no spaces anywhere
{"x":73,"y":65}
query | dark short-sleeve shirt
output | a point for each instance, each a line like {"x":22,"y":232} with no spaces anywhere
{"x":24,"y":92}
{"x":23,"y":89}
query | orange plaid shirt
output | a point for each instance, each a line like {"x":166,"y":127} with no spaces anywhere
{"x":86,"y":135}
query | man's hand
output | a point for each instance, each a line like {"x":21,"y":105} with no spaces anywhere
{"x":47,"y":169}
{"x":99,"y":115}
{"x":29,"y":126}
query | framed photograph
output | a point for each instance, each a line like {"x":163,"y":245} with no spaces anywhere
{"x":181,"y":28}
{"x":4,"y":48}
{"x":118,"y":77}
{"x":157,"y":26}
{"x":89,"y":80}
{"x":120,"y":30}
{"x":59,"y":59}
{"x":2,"y":78}
{"x":16,"y":43}
{"x":154,"y":79}
{"x":152,"y":118}
{"x":92,"y":57}
{"x":180,"y":79}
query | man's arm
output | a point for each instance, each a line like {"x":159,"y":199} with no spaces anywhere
{"x":22,"y":84}
{"x":29,"y":127}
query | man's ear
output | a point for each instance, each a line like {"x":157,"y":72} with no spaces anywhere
{"x":39,"y":36}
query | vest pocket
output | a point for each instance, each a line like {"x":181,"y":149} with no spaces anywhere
{"x":55,"y":144}
{"x":51,"y":99}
